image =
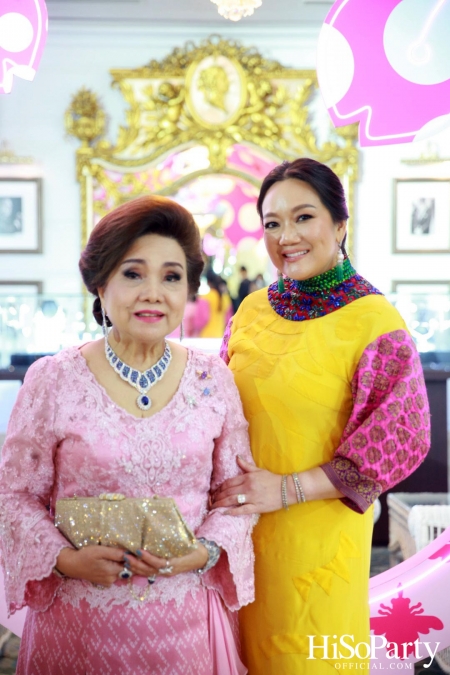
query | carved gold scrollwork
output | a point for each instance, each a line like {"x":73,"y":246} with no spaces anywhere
{"x":216,"y":94}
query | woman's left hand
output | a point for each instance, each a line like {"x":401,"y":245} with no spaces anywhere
{"x":261,"y":488}
{"x":148,"y":565}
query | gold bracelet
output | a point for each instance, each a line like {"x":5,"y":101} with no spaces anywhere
{"x":284,"y":500}
{"x":298,"y":489}
{"x":139,"y":598}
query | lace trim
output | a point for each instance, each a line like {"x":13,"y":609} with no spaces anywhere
{"x":175,"y":589}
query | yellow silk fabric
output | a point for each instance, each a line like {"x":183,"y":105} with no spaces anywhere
{"x":312,"y":561}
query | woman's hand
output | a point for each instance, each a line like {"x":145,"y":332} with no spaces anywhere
{"x":148,"y":565}
{"x":97,"y":564}
{"x":262,"y":490}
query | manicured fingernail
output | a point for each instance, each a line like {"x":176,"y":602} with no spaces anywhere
{"x":139,"y":553}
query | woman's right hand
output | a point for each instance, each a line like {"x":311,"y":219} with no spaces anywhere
{"x":97,"y":564}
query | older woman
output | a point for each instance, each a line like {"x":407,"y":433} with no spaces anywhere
{"x":333,"y":390}
{"x":82,"y":426}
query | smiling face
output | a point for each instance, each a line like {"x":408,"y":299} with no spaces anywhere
{"x":146,"y":294}
{"x":300,"y":235}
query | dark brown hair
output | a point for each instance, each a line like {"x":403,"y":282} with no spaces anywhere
{"x":319,"y":176}
{"x":116,"y":233}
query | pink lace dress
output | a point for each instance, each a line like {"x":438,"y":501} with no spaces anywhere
{"x":67,"y":437}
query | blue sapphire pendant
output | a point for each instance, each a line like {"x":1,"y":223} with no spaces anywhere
{"x":144,"y":402}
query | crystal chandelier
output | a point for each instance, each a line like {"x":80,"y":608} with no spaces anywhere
{"x":236,"y":9}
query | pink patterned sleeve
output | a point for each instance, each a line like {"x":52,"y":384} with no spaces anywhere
{"x":224,"y":346}
{"x":388,"y":433}
{"x":232,"y":576}
{"x":30,"y":542}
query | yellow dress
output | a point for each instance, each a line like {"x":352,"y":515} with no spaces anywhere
{"x":217,"y":317}
{"x":312,"y":561}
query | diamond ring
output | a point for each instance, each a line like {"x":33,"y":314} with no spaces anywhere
{"x":125,"y":574}
{"x":168,"y":569}
{"x":241,"y":499}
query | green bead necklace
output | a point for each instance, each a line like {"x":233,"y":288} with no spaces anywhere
{"x":327,"y":280}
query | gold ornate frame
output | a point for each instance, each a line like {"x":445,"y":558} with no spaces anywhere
{"x":272,"y":113}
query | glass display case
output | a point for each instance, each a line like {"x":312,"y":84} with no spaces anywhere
{"x":43,"y":324}
{"x":428,"y":319}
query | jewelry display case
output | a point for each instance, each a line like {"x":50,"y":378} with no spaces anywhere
{"x":36,"y":323}
{"x":33,"y":325}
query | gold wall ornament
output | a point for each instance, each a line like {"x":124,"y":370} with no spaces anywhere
{"x":216,"y":91}
{"x":7,"y":156}
{"x":235,"y":10}
{"x":186,"y":116}
{"x":85,"y":118}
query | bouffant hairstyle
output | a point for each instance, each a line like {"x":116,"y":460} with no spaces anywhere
{"x":116,"y":233}
{"x":319,"y":176}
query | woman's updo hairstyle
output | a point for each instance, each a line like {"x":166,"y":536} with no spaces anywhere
{"x":116,"y":233}
{"x":319,"y":176}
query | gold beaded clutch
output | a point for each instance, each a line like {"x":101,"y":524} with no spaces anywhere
{"x":153,"y":524}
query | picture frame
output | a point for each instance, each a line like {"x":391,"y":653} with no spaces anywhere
{"x":20,"y":215}
{"x":421,"y":215}
{"x":413,"y":287}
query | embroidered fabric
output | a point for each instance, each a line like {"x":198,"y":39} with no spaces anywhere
{"x":66,"y":437}
{"x":298,"y":304}
{"x":388,"y":433}
{"x":223,"y":353}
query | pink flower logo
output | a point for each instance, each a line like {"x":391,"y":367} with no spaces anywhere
{"x":402,"y":623}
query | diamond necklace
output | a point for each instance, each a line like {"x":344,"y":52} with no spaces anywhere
{"x":140,"y":381}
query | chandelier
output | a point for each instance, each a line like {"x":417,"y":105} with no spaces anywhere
{"x":236,"y":9}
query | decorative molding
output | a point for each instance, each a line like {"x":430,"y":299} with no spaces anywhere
{"x":252,"y":101}
{"x":8,"y":157}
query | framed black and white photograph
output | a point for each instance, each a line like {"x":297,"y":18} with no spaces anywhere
{"x":422,"y":216}
{"x":20,"y":215}
{"x":421,"y":287}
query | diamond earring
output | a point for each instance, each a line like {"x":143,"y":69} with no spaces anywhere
{"x":104,"y":324}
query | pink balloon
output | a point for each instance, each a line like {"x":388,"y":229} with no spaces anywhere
{"x":23,"y":33}
{"x":386,"y":65}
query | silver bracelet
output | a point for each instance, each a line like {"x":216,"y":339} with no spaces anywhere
{"x":284,"y":500}
{"x":57,"y":573}
{"x":298,"y":489}
{"x":214,"y":552}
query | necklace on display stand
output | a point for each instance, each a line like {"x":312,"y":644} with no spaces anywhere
{"x":140,"y":381}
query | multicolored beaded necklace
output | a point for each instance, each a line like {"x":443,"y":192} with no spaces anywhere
{"x":320,"y":295}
